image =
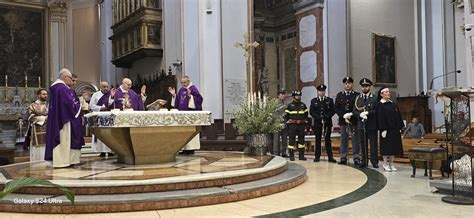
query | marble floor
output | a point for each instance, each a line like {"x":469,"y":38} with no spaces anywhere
{"x":96,"y":168}
{"x":331,"y":190}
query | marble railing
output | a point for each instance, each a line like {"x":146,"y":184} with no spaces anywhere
{"x":148,"y":118}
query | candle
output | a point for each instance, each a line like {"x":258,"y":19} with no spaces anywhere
{"x":39,"y":81}
{"x":248,"y":100}
{"x":26,"y":78}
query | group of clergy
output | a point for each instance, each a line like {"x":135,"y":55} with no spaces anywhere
{"x":62,"y":130}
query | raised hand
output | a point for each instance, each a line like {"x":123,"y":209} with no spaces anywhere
{"x":112,"y":92}
{"x":189,"y":92}
{"x":172,"y":91}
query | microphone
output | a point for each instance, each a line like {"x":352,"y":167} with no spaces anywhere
{"x":436,"y":77}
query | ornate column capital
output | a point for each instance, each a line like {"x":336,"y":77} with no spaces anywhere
{"x":58,"y":11}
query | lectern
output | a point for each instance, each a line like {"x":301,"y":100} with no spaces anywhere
{"x":458,"y":126}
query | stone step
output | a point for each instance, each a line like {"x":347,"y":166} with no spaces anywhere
{"x":292,"y":177}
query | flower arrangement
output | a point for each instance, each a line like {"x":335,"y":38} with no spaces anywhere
{"x":257,"y":116}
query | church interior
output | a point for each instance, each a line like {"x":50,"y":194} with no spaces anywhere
{"x":218,"y":108}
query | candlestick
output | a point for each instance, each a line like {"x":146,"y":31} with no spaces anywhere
{"x":26,"y":98}
{"x":6,"y":100}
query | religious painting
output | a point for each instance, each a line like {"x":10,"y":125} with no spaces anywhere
{"x":383,"y":60}
{"x":22,"y":51}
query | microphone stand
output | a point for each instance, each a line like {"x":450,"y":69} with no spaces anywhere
{"x":436,"y":77}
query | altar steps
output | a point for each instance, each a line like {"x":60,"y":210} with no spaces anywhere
{"x":105,"y":203}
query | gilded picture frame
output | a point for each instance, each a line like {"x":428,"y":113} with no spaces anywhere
{"x":384,"y":60}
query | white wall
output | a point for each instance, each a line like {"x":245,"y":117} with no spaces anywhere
{"x":191,"y":65}
{"x":234,"y":25}
{"x":337,"y":46}
{"x":172,"y":42}
{"x":210,"y":57}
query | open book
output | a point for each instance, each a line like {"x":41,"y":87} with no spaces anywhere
{"x":156,"y":105}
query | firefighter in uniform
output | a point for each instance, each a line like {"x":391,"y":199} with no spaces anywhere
{"x":296,"y":114}
{"x":343,"y":106}
{"x":322,"y":111}
{"x":364,"y":110}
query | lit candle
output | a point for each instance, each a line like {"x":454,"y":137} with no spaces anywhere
{"x":26,"y":78}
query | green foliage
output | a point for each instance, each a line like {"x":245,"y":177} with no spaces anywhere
{"x":29,"y":181}
{"x":258,"y":117}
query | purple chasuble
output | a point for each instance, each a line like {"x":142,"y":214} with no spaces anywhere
{"x":104,"y":100}
{"x":62,"y":109}
{"x":77,"y":130}
{"x":182,"y":99}
{"x":135,"y":100}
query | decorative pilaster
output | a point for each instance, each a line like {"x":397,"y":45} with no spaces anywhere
{"x":309,"y":47}
{"x":58,"y":22}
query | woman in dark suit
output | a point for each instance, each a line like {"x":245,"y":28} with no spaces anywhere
{"x":390,"y":124}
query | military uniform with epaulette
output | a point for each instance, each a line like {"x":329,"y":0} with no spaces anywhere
{"x":322,"y":111}
{"x":296,"y":114}
{"x":344,"y":105}
{"x":364,"y":111}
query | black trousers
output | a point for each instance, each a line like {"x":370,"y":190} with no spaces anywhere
{"x":318,"y":132}
{"x":370,"y":135}
{"x":293,"y":131}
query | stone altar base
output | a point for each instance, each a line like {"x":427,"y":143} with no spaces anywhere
{"x":103,"y":185}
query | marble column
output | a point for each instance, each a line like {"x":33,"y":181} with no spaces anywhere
{"x":106,"y":21}
{"x":58,"y":37}
{"x":309,"y":47}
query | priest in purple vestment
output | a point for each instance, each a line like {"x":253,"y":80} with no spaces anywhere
{"x":187,"y":99}
{"x":117,"y":98}
{"x":62,"y":146}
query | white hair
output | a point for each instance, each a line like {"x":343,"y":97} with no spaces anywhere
{"x":126,"y":80}
{"x":64,"y":72}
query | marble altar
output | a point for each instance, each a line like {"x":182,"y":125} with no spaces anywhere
{"x":144,"y":137}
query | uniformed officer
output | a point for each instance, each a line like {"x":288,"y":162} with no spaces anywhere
{"x":281,"y":148}
{"x":322,"y":110}
{"x":296,"y":114}
{"x":344,"y":106}
{"x":364,"y":110}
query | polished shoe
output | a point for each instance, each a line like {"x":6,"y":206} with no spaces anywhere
{"x":362,"y":165}
{"x":387,"y":168}
{"x":316,"y":159}
{"x":332,"y":160}
{"x":343,"y":162}
{"x":110,"y":154}
{"x":393,"y":168}
{"x":375,"y":165}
